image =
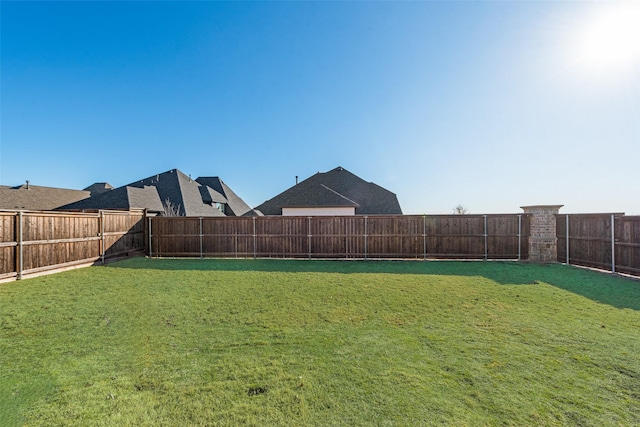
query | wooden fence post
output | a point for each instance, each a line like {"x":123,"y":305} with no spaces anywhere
{"x":255,"y":255}
{"x":19,"y":263}
{"x":613,"y":244}
{"x":102,"y":249}
{"x":150,"y":240}
{"x":424,"y":237}
{"x":567,"y":238}
{"x":309,"y":235}
{"x":366,"y":235}
{"x":486,"y":248}
{"x":519,"y":237}
{"x":200,"y":220}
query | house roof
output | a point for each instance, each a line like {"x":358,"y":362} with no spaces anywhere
{"x":316,"y":195}
{"x":146,"y":197}
{"x":234,"y":202}
{"x":99,"y":188}
{"x":188,"y":196}
{"x":209,"y":195}
{"x":34,"y":197}
{"x":335,"y":188}
{"x":253,"y":212}
{"x":182,"y":191}
{"x":121,"y":198}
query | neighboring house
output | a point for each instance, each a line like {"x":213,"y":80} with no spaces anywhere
{"x":337,"y":192}
{"x":168,"y":191}
{"x":37,"y":198}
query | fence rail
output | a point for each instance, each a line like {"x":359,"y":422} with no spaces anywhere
{"x":362,"y":237}
{"x":32,"y":242}
{"x":605,"y":241}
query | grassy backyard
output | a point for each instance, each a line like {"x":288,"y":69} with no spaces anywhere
{"x":281,"y":342}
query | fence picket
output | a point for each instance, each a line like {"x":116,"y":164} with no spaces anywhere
{"x":37,"y":241}
{"x":605,"y":241}
{"x":42,"y":241}
{"x":363,"y":237}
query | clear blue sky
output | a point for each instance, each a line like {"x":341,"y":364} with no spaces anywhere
{"x":493,"y":104}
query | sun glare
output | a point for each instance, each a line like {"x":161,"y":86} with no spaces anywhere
{"x":609,"y":39}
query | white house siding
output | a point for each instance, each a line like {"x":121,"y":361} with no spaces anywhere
{"x":320,"y":211}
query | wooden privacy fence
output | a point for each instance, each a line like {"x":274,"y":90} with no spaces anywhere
{"x":402,"y":236}
{"x":32,"y":242}
{"x":605,"y":241}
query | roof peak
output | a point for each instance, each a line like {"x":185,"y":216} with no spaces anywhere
{"x":338,"y":168}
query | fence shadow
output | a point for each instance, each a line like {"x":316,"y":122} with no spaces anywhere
{"x":605,"y":288}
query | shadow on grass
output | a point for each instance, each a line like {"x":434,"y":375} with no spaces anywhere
{"x":605,"y":288}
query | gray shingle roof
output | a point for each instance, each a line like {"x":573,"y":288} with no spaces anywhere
{"x":144,"y":198}
{"x":338,"y":187}
{"x":123,"y":198}
{"x":209,"y":195}
{"x":39,"y":198}
{"x":237,"y":206}
{"x":190,"y":197}
{"x":315,"y":195}
{"x":99,"y":188}
{"x":253,"y":212}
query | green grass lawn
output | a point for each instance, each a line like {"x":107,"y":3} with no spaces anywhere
{"x":283,"y":342}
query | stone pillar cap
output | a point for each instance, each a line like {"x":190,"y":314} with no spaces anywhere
{"x":541,"y":207}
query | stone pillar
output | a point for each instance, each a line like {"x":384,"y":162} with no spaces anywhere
{"x":543,"y":243}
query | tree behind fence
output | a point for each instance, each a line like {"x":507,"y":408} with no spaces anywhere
{"x":406,"y":236}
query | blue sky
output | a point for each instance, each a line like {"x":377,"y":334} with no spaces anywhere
{"x":493,"y":105}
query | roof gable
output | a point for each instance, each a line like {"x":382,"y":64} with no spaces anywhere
{"x":347,"y":188}
{"x":235,"y":204}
